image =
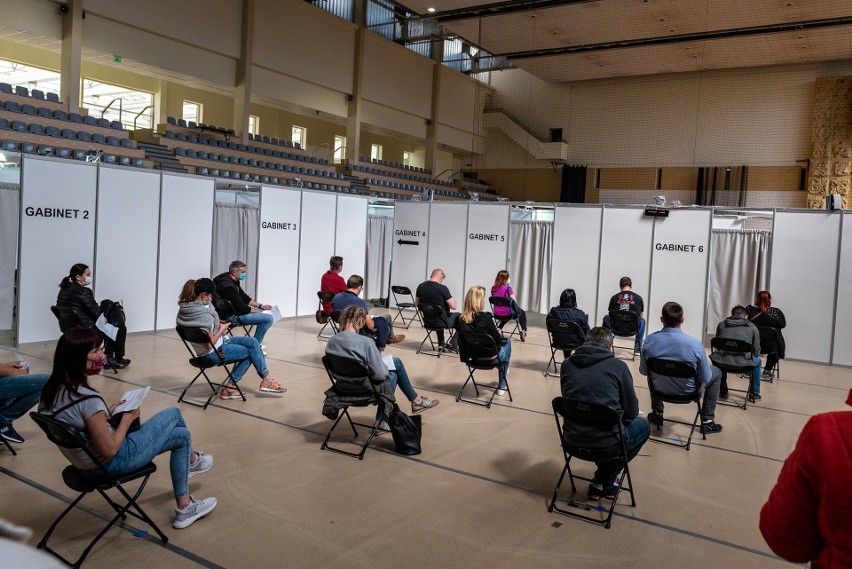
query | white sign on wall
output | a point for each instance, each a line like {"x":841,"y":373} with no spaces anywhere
{"x":278,"y":248}
{"x":410,"y":244}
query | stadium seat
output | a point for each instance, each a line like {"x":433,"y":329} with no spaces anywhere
{"x":84,"y":136}
{"x":37,"y":94}
{"x":52,"y":97}
{"x":22,"y":91}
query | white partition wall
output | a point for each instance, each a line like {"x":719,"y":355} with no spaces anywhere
{"x":316,"y":247}
{"x":803,"y":276}
{"x":576,"y":255}
{"x":57,"y":229}
{"x":186,"y":239}
{"x":679,"y":268}
{"x":487,"y":243}
{"x":278,"y":248}
{"x":447,"y":236}
{"x":125,"y":195}
{"x":410,"y":245}
{"x":626,"y":246}
{"x":843,"y":315}
{"x":351,"y":237}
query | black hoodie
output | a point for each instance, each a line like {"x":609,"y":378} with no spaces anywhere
{"x":592,"y":374}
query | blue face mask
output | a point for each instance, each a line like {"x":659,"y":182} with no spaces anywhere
{"x":242,"y":276}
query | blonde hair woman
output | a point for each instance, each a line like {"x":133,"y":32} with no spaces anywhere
{"x":474,"y":319}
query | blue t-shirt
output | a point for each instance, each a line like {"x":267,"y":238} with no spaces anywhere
{"x":345,"y":299}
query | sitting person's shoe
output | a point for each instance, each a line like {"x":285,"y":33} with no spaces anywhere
{"x":196,"y":510}
{"x":271,"y":386}
{"x":723,"y":394}
{"x":203,"y":463}
{"x":396,"y":339}
{"x":523,"y":335}
{"x":500,"y":392}
{"x":655,"y":418}
{"x":10,"y":434}
{"x":756,"y":397}
{"x":124,"y":361}
{"x":117,"y":364}
{"x":596,"y":491}
{"x":611,"y":491}
{"x":768,"y":375}
{"x":711,"y":427}
{"x":425,"y":403}
{"x":263,"y":349}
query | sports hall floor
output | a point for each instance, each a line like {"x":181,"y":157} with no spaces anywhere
{"x":475,"y":497}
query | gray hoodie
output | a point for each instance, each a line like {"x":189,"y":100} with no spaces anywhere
{"x":736,"y":328}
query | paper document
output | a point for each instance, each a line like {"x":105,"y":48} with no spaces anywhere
{"x":275,"y":312}
{"x":107,"y":328}
{"x":132,"y":400}
{"x":389,"y":362}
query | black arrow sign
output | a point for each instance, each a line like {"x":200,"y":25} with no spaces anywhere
{"x":403,"y":242}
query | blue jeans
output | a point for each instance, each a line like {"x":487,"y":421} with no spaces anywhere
{"x":503,"y":357}
{"x":383,"y":330}
{"x":165,"y":431}
{"x":260,"y":320}
{"x":18,"y":394}
{"x":635,"y":435}
{"x":237,"y":348}
{"x":399,"y":378}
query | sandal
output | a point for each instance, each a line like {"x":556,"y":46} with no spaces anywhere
{"x":271,"y":386}
{"x":229,"y":393}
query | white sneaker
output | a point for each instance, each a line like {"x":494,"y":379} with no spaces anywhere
{"x":203,"y":463}
{"x":195,"y":510}
{"x":263,"y":349}
{"x":500,"y":392}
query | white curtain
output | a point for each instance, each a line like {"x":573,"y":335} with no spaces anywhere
{"x":530,"y":257}
{"x":379,"y":250}
{"x":738,"y":270}
{"x":236,"y":230}
{"x":9,"y":199}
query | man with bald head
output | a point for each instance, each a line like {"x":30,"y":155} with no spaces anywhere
{"x":434,"y":291}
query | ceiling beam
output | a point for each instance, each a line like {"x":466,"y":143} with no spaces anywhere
{"x":500,"y":8}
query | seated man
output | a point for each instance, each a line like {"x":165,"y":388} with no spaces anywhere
{"x":592,"y":374}
{"x":739,"y":327}
{"x":246,"y":310}
{"x":332,"y":281}
{"x":671,"y":343}
{"x":628,"y":300}
{"x":380,"y":325}
{"x":434,"y":291}
{"x":19,"y":391}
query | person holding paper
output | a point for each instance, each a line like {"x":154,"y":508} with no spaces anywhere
{"x":77,"y":300}
{"x":350,"y":344}
{"x":196,"y":311}
{"x":247,"y":311}
{"x":70,"y":398}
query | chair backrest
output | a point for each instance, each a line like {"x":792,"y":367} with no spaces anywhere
{"x":325,"y":296}
{"x":196,"y":335}
{"x":349,"y":376}
{"x":477,"y":346}
{"x":499,"y":301}
{"x":769,"y":339}
{"x":565,"y":334}
{"x":585,"y":413}
{"x":433,"y":316}
{"x":670,"y":373}
{"x":671,"y":368}
{"x":58,"y":432}
{"x":731,"y":345}
{"x":66,"y":317}
{"x":624,"y":322}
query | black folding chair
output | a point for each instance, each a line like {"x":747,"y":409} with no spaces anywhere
{"x":624,"y":324}
{"x":198,"y":336}
{"x":565,"y":335}
{"x":770,"y":341}
{"x":8,"y":446}
{"x":100,"y":481}
{"x":404,"y":291}
{"x":740,"y":348}
{"x":658,"y":368}
{"x":598,"y":417}
{"x":434,"y":319}
{"x":226,"y":313}
{"x":501,"y":321}
{"x":353,"y":385}
{"x":323,"y":297}
{"x":478,"y":351}
{"x":67,"y":319}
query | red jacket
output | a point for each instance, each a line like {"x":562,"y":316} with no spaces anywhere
{"x":331,"y":282}
{"x":808,"y":516}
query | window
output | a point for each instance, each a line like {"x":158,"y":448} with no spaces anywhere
{"x":192,"y":111}
{"x":134,"y":109}
{"x":299,"y":135}
{"x":406,"y":158}
{"x":254,"y":124}
{"x":339,"y":149}
{"x":375,"y":152}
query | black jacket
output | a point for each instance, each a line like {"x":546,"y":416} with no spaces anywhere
{"x":483,"y":322}
{"x":80,"y":301}
{"x":592,"y":374}
{"x":233,"y":292}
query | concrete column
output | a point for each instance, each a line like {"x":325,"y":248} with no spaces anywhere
{"x":432,"y":122}
{"x":242,"y":81}
{"x":72,"y":48}
{"x":353,"y":118}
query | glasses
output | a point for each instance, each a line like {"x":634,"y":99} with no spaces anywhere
{"x":443,"y":275}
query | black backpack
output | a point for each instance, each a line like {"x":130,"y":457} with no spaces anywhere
{"x":114,"y":312}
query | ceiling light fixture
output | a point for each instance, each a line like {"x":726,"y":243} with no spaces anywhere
{"x":430,"y":10}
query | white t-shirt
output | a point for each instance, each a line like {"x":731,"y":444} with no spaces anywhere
{"x":75,"y":417}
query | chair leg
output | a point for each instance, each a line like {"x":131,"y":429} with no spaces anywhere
{"x":553,"y":499}
{"x":359,"y":455}
{"x":552,"y":362}
{"x":8,"y":446}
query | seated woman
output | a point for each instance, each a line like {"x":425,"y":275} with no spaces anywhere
{"x":474,"y":319}
{"x":567,"y":310}
{"x":350,"y":344}
{"x":763,"y":315}
{"x":501,"y":288}
{"x":76,"y":297}
{"x":68,"y":396}
{"x":196,"y":311}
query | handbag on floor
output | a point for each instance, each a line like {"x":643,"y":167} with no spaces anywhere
{"x":406,"y":431}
